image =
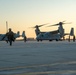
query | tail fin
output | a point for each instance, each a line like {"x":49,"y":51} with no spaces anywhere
{"x":72,"y":32}
{"x":23,"y":34}
{"x":17,"y":34}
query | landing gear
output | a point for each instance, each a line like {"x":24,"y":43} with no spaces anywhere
{"x":69,"y":39}
{"x":74,"y":38}
{"x":50,"y":40}
{"x":39,"y":40}
{"x":56,"y":39}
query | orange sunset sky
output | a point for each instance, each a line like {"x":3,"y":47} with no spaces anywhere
{"x":22,"y":14}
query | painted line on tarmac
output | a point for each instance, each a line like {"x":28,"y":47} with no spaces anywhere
{"x":49,"y":72}
{"x":34,"y":66}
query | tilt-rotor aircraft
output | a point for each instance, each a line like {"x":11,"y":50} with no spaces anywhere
{"x":3,"y":37}
{"x":53,"y":35}
{"x":37,"y":30}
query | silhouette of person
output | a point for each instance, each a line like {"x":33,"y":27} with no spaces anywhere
{"x":25,"y":39}
{"x":24,"y":36}
{"x":10,"y":36}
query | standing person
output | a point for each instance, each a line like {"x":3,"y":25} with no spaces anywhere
{"x":24,"y":36}
{"x":25,"y":39}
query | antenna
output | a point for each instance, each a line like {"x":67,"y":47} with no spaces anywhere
{"x":6,"y":26}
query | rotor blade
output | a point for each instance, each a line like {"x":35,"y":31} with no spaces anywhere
{"x":59,"y":23}
{"x":43,"y":24}
{"x":39,"y":25}
{"x":53,"y":25}
{"x":34,"y":26}
{"x":67,"y":23}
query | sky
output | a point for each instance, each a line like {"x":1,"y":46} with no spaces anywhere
{"x":23,"y":14}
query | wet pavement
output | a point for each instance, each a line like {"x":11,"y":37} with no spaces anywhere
{"x":38,"y":58}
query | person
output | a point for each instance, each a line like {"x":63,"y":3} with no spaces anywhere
{"x":24,"y":36}
{"x":10,"y":36}
{"x":25,"y":39}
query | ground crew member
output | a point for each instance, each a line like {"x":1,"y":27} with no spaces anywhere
{"x":10,"y":36}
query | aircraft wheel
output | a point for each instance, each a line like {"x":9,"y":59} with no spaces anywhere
{"x":73,"y":38}
{"x":50,"y":40}
{"x":37,"y":40}
{"x":56,"y":39}
{"x":41,"y":40}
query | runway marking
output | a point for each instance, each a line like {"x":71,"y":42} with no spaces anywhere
{"x":49,"y":72}
{"x":34,"y":66}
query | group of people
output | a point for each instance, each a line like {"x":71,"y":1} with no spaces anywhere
{"x":11,"y":36}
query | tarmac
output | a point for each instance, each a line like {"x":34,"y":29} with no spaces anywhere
{"x":38,"y":58}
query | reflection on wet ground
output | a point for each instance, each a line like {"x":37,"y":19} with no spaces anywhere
{"x":33,"y":58}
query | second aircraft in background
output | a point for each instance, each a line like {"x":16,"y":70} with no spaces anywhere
{"x":53,"y":35}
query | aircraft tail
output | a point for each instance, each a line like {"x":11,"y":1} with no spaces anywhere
{"x":17,"y":34}
{"x":23,"y":34}
{"x":72,"y":32}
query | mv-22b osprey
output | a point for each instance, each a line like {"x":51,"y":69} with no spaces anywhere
{"x":16,"y":35}
{"x":52,"y":35}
